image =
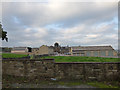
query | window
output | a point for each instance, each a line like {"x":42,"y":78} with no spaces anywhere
{"x":110,"y":53}
{"x":88,"y":53}
{"x":102,"y":53}
{"x":95,"y":53}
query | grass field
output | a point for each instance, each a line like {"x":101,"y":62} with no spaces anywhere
{"x":81,"y":59}
{"x":11,"y":55}
{"x":66,"y":58}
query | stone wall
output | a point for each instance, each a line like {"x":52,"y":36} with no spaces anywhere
{"x":47,"y":68}
{"x":88,"y":71}
{"x":31,"y":68}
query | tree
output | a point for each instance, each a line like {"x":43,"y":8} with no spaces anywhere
{"x":56,"y":45}
{"x":3,"y":34}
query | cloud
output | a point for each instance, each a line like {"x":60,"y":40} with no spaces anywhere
{"x":71,"y":23}
{"x":41,"y":14}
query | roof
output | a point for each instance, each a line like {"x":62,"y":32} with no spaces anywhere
{"x":65,"y":48}
{"x":51,"y":47}
{"x":19,"y":48}
{"x":35,"y":48}
{"x":92,"y":48}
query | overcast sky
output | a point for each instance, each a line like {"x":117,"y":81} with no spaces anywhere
{"x":68,"y":23}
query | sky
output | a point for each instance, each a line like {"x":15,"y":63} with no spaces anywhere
{"x":68,"y":23}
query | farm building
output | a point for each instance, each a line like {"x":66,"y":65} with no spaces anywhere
{"x":65,"y":50}
{"x":35,"y":49}
{"x":95,"y":51}
{"x":44,"y":50}
{"x":61,"y":49}
{"x":21,"y":50}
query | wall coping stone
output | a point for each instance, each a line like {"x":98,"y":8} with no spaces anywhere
{"x":87,"y":62}
{"x":26,"y":59}
{"x":61,"y":62}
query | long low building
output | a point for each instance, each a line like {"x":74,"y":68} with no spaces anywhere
{"x":95,"y":51}
{"x":21,"y":50}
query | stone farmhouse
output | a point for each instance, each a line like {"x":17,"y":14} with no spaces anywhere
{"x":95,"y":51}
{"x":43,"y":50}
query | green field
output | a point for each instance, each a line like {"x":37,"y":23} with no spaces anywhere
{"x":81,"y":59}
{"x":66,"y":58}
{"x":11,"y":55}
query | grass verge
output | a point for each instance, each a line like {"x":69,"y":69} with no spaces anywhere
{"x":81,"y":59}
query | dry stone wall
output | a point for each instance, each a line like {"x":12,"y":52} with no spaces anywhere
{"x":30,"y":68}
{"x":47,"y":68}
{"x":88,"y":71}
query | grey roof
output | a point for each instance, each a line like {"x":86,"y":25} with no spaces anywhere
{"x":92,"y":48}
{"x":19,"y":48}
{"x":51,"y":47}
{"x":35,"y":48}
